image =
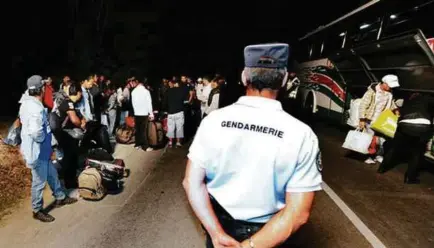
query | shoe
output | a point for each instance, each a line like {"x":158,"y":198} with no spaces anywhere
{"x":67,"y":201}
{"x":408,"y":180}
{"x":169,"y":144}
{"x":138,"y":147}
{"x":42,"y":216}
{"x":178,"y":144}
{"x":379,"y":159}
{"x":149,"y":149}
{"x":370,"y":161}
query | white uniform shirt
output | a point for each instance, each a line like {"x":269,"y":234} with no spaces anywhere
{"x":253,"y":153}
{"x":142,"y":101}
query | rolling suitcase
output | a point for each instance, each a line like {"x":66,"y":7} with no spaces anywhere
{"x":156,"y":137}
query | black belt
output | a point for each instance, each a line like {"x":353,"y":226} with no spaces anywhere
{"x":238,"y":229}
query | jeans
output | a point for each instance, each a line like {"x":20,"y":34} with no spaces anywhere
{"x":111,"y":121}
{"x":175,"y":125}
{"x":44,"y":171}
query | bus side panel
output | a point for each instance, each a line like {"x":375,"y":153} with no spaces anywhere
{"x":322,"y":77}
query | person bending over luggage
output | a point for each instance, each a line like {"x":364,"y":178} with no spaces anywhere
{"x":70,"y":119}
{"x":36,"y":149}
{"x":415,"y":128}
{"x":174,"y":102}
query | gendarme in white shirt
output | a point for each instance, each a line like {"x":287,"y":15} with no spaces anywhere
{"x":253,"y":153}
{"x":142,"y":101}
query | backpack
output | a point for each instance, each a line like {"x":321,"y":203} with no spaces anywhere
{"x":90,"y":185}
{"x":125,"y":135}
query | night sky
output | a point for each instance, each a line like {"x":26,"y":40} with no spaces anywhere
{"x":155,"y":39}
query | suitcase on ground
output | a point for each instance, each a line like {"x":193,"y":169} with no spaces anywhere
{"x":156,"y":134}
{"x":125,"y":135}
{"x":90,"y":186}
{"x":110,"y":182}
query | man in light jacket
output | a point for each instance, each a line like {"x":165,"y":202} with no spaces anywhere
{"x":142,"y":106}
{"x":377,"y":99}
{"x":36,"y":149}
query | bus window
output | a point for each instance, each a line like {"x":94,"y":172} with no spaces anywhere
{"x":333,"y":42}
{"x":415,"y":18}
{"x":365,"y":31}
{"x":314,"y":50}
{"x":303,"y":51}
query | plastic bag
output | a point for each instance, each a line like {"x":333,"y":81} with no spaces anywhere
{"x":354,"y":120}
{"x":386,"y":123}
{"x":358,"y":141}
{"x":14,"y":134}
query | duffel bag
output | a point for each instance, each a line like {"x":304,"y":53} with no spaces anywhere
{"x":99,"y":154}
{"x":156,"y":134}
{"x":115,"y":168}
{"x":90,"y":185}
{"x":125,"y":135}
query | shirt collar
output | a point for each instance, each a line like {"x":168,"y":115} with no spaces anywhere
{"x":259,"y":102}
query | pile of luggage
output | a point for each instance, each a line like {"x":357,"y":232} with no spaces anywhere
{"x":102,"y":174}
{"x":125,"y":134}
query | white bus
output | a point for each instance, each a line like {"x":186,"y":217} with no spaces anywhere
{"x":338,"y":61}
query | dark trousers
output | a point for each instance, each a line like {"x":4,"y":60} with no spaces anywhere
{"x":411,"y":140}
{"x":142,"y":131}
{"x":69,"y":162}
{"x":237,"y":229}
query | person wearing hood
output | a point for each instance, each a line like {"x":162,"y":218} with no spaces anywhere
{"x":377,"y":99}
{"x":36,"y":149}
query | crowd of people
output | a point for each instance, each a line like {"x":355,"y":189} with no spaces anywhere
{"x":58,"y":124}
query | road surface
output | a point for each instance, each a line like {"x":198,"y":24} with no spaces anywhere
{"x":359,"y":208}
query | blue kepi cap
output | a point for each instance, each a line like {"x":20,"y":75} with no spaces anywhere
{"x":266,"y":55}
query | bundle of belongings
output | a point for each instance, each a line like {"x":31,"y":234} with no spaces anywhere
{"x":102,"y":174}
{"x":125,"y":134}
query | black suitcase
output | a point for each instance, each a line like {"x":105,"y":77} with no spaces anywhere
{"x":99,"y":154}
{"x":110,"y":182}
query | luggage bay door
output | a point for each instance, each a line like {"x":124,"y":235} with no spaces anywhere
{"x":407,"y":55}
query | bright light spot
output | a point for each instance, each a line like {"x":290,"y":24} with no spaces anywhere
{"x":393,"y":17}
{"x":364,"y":26}
{"x":342,"y":34}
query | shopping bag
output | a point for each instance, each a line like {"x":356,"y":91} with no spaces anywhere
{"x":14,"y":134}
{"x":358,"y":140}
{"x":386,"y":123}
{"x":353,"y":119}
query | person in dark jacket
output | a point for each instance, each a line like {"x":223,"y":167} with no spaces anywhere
{"x":415,"y":128}
{"x":176,"y":97}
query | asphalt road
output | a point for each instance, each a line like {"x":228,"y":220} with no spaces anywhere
{"x":153,"y":211}
{"x":158,"y":215}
